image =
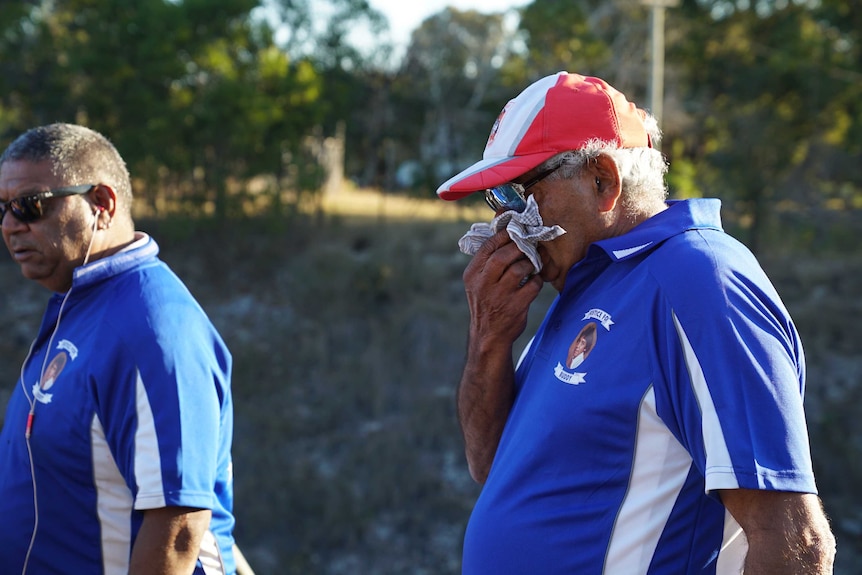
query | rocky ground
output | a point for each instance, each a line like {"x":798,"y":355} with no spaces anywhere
{"x":347,"y":342}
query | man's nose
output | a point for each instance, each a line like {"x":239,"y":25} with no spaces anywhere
{"x":9,"y":222}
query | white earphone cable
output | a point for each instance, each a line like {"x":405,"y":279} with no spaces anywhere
{"x":32,"y":401}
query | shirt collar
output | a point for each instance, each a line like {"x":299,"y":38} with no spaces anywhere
{"x":143,"y":247}
{"x":679,"y":217}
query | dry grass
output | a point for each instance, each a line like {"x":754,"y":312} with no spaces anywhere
{"x":351,"y":202}
{"x":347,"y":324}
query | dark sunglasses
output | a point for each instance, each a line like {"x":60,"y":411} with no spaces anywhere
{"x":512,"y":196}
{"x":28,"y":209}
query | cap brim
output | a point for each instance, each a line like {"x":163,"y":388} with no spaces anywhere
{"x":488,"y":173}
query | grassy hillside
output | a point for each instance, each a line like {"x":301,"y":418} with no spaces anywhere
{"x":348,"y":334}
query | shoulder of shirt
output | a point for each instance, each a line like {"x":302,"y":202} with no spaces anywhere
{"x":667,"y":226}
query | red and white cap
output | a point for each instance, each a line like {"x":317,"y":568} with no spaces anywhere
{"x":556,"y":114}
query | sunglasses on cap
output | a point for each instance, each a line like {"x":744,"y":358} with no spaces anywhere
{"x":28,"y":209}
{"x":512,"y":196}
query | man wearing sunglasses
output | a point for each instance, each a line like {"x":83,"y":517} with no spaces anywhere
{"x":115,"y":448}
{"x":679,"y":444}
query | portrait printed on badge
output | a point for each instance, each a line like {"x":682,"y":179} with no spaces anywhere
{"x":52,"y":371}
{"x":582,"y":345}
{"x":49,"y":377}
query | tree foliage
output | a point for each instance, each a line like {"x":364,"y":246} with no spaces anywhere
{"x":763,"y":103}
{"x":762,"y":97}
{"x":196,"y":94}
{"x":452,"y":87}
{"x":773,"y":91}
{"x":591,"y":37}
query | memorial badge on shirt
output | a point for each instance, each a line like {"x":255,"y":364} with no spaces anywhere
{"x":581,"y":346}
{"x":67,"y":350}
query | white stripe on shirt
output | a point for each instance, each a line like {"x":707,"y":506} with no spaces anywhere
{"x":659,"y":471}
{"x":734,"y":548}
{"x":210,"y":555}
{"x":113,"y":504}
{"x":719,"y":468}
{"x":148,"y":463}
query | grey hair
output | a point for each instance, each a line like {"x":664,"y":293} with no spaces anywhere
{"x":642,"y":170}
{"x":78,"y":156}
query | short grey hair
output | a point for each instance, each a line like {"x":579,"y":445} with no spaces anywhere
{"x":78,"y":156}
{"x":642,"y":170}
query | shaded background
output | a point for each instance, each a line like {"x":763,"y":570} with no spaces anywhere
{"x":288,"y":171}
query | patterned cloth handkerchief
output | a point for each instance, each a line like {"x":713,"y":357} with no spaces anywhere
{"x":526,"y":230}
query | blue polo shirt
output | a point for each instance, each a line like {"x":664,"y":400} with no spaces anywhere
{"x":666,"y":369}
{"x":133,"y":411}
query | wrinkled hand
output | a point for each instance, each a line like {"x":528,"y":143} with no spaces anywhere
{"x":500,"y":287}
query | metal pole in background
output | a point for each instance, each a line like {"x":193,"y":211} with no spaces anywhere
{"x":242,"y":566}
{"x":656,"y":83}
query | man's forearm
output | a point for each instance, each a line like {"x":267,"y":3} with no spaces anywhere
{"x":788,"y":533}
{"x":485,"y":396}
{"x":168,"y":542}
{"x":813,"y":557}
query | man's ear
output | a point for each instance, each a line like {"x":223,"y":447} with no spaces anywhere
{"x":608,"y":184}
{"x":104,"y":198}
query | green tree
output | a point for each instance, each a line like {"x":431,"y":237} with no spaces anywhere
{"x":354,"y":76}
{"x":770,"y":92}
{"x":191,"y":91}
{"x":590,"y":37}
{"x":450,"y":88}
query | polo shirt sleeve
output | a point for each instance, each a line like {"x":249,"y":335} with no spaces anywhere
{"x":162,"y":404}
{"x":731,"y":370}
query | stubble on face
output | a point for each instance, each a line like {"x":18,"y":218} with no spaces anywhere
{"x":571,"y":205}
{"x":48,"y":249}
